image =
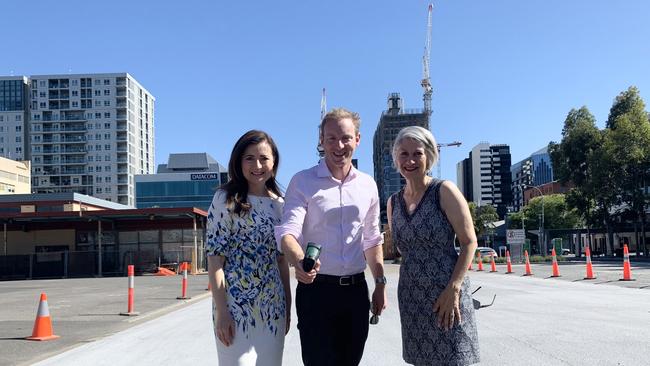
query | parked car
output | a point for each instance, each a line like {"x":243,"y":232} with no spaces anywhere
{"x":487,"y":252}
{"x":565,"y":251}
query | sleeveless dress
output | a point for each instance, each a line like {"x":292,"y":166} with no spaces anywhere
{"x":254,"y":290}
{"x":425,"y":239}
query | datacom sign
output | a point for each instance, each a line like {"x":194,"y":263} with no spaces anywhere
{"x":203,"y":176}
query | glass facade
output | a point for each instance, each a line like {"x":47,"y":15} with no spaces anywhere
{"x":176,"y":193}
{"x":12,"y":95}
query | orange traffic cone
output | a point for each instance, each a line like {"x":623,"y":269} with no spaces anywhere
{"x":479,"y":262}
{"x":529,"y":272}
{"x":508,"y":262}
{"x":493,"y":267}
{"x":627,"y":270}
{"x":556,"y":268}
{"x":165,"y":272}
{"x":43,"y":324}
{"x":590,"y":269}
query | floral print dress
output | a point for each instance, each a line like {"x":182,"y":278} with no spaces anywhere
{"x":254,"y":290}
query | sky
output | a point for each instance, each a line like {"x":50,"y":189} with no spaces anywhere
{"x":505,"y":72}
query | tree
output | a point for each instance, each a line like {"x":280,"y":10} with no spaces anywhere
{"x":573,"y":162}
{"x":629,"y":146}
{"x":482,"y":216}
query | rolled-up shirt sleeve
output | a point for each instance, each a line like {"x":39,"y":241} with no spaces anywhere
{"x":293,"y":214}
{"x":371,"y":231}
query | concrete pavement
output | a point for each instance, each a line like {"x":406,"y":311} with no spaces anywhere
{"x":535,"y":321}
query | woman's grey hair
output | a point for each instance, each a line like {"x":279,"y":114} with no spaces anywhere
{"x":421,"y":135}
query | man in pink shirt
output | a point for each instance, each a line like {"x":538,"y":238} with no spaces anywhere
{"x":334,"y":205}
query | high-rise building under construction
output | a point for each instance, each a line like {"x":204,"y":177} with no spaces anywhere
{"x":390,"y":123}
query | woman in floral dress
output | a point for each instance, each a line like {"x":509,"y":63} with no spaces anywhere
{"x":248,"y":276}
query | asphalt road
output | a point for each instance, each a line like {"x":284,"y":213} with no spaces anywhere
{"x":534,"y":321}
{"x":82,"y":310}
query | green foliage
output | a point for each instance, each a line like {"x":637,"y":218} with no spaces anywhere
{"x":557,"y":214}
{"x":482,"y":216}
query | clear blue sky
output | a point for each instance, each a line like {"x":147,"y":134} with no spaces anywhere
{"x":502,"y":71}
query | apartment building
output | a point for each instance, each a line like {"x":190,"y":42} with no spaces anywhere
{"x":535,"y":170}
{"x":85,"y":133}
{"x":484,"y":177}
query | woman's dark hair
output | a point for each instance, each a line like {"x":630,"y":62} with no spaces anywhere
{"x":237,"y":187}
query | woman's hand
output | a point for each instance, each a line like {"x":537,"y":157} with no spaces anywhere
{"x":448,"y":307}
{"x":225,"y":328}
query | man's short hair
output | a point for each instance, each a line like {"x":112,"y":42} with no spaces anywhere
{"x":338,"y":114}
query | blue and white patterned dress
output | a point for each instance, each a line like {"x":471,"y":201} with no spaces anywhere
{"x":254,"y":290}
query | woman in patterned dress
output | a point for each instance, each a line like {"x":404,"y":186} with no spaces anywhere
{"x":436,"y":309}
{"x":248,"y":276}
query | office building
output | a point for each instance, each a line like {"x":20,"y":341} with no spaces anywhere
{"x":535,"y":170}
{"x":390,"y":123}
{"x":84,"y":133}
{"x":484,"y":178}
{"x":14,"y":99}
{"x":187,"y":180}
{"x":15,"y":176}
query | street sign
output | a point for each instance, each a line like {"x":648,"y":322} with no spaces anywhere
{"x":516,"y":236}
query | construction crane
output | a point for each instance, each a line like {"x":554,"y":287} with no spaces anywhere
{"x":448,"y":144}
{"x":426,"y":80}
{"x":323,"y":111}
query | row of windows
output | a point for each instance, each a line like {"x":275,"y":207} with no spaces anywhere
{"x":17,"y":117}
{"x":19,"y":151}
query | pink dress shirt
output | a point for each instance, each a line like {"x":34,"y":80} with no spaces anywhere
{"x":343,"y":217}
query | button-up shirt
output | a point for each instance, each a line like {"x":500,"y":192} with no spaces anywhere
{"x":341,"y":216}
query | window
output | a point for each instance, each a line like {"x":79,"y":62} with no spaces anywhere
{"x":42,"y":105}
{"x":90,"y":168}
{"x":98,"y":125}
{"x":98,"y":179}
{"x":89,"y":137}
{"x":98,"y":190}
{"x":75,"y":180}
{"x":99,"y":169}
{"x":107,"y":168}
{"x":98,"y":115}
{"x":98,"y":93}
{"x":19,"y":117}
{"x":98,"y":103}
{"x":75,"y":93}
{"x":19,"y":139}
{"x":107,"y":114}
{"x":107,"y":157}
{"x":107,"y":136}
{"x":107,"y":125}
{"x":107,"y":103}
{"x":19,"y":150}
{"x":98,"y":147}
{"x":19,"y":128}
{"x":36,"y":117}
{"x":75,"y":104}
{"x":98,"y":82}
{"x":107,"y":92}
{"x":98,"y":136}
{"x":108,"y":190}
{"x":107,"y":81}
{"x":42,"y":94}
{"x":75,"y":82}
{"x":107,"y":179}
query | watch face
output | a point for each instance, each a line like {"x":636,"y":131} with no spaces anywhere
{"x":381,"y":279}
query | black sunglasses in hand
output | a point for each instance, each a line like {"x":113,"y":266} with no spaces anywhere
{"x":374,"y":319}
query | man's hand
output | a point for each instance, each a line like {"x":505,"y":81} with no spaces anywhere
{"x":306,"y":277}
{"x":379,"y":299}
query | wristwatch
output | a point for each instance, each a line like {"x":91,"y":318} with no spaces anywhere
{"x":380,"y":280}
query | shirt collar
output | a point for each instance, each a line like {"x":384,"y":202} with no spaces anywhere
{"x":322,"y":171}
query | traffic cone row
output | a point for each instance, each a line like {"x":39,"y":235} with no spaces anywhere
{"x":627,"y":268}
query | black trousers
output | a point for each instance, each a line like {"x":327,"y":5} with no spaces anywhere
{"x":333,"y":322}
